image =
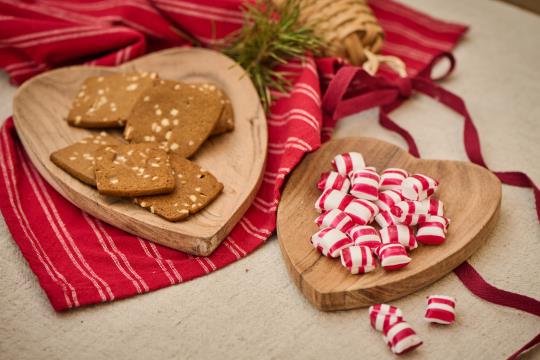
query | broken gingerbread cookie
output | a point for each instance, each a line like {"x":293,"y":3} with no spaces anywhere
{"x":177,"y":115}
{"x":195,"y":189}
{"x":78,"y":159}
{"x":133,"y":170}
{"x":225,"y":122}
{"x":106,"y":101}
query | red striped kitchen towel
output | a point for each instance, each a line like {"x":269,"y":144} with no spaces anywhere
{"x":80,"y":260}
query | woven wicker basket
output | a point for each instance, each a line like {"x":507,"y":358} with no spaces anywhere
{"x":348,"y":27}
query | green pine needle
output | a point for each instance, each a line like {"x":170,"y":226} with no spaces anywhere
{"x":270,"y":36}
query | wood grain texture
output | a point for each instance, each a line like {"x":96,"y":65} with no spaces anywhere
{"x":472,"y":197}
{"x":237,"y":158}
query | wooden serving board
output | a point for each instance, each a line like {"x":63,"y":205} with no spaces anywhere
{"x":471,"y":195}
{"x":237,"y":158}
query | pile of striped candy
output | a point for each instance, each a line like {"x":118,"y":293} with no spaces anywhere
{"x":354,"y":196}
{"x":398,"y":333}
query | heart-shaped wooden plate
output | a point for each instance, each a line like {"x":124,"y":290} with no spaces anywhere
{"x":236,"y":158}
{"x":471,"y":195}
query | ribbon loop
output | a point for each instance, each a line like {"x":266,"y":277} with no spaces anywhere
{"x":428,"y":71}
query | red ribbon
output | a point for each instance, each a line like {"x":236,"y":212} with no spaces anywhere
{"x":535,"y":341}
{"x":479,"y":287}
{"x":353,"y":90}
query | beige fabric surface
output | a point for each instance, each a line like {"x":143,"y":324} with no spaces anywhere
{"x":241,"y":314}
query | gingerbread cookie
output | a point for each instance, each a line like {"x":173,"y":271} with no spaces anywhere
{"x":78,"y":159}
{"x":195,"y":189}
{"x":225,"y":122}
{"x":179,"y":116}
{"x":133,"y":170}
{"x":106,"y":101}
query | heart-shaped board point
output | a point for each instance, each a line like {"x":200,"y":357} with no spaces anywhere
{"x":236,"y":158}
{"x":471,"y":195}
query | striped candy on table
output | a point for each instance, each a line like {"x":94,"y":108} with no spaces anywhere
{"x":330,"y":242}
{"x":361,"y":211}
{"x":399,"y":234}
{"x":383,"y":314}
{"x":347,"y":162}
{"x":432,"y":231}
{"x":336,"y":219}
{"x":418,"y":187}
{"x":365,"y":184}
{"x":435,"y":206}
{"x":429,"y":206}
{"x":388,"y":199}
{"x":401,"y":337}
{"x":385,"y":218}
{"x":392,"y":178}
{"x":334,"y":180}
{"x":380,"y":320}
{"x":413,"y":219}
{"x":385,"y":309}
{"x":441,"y":309}
{"x":393,"y":256}
{"x":333,"y":199}
{"x":365,"y":235}
{"x":409,"y":207}
{"x":358,"y":259}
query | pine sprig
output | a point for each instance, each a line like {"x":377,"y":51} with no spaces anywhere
{"x":270,"y":36}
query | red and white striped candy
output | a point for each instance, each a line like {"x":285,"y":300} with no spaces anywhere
{"x":334,"y":180}
{"x":358,"y":259}
{"x":399,"y":234}
{"x":347,"y":162}
{"x":403,"y":208}
{"x":385,"y":309}
{"x":374,"y":209}
{"x":418,"y":187}
{"x":440,"y":219}
{"x":413,"y":219}
{"x":401,"y":337}
{"x":388,"y":199}
{"x":393,"y":256}
{"x":434,"y":206}
{"x":381,"y":315}
{"x":441,"y":309}
{"x":429,"y":206}
{"x":380,"y":321}
{"x":336,"y":219}
{"x":361,"y":211}
{"x":432,"y":231}
{"x":385,"y":218}
{"x":365,"y":235}
{"x":365,"y":184}
{"x":330,"y":241}
{"x":332,"y":199}
{"x":392,"y":178}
